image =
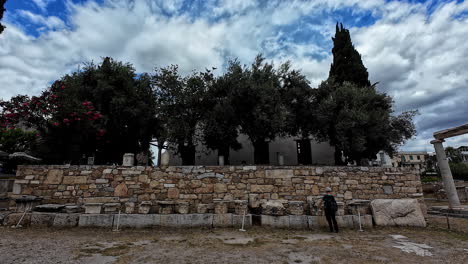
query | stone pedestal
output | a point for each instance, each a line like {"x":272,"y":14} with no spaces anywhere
{"x":93,"y":208}
{"x":241,"y":207}
{"x":296,"y":207}
{"x":128,"y":159}
{"x":220,"y":207}
{"x":144,"y":207}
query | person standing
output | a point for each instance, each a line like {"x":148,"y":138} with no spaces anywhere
{"x":330,"y":206}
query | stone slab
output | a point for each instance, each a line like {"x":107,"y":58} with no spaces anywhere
{"x":42,"y":219}
{"x":93,"y":208}
{"x":137,"y":220}
{"x":222,"y":220}
{"x":66,"y":220}
{"x":96,"y":220}
{"x":184,"y":220}
{"x":169,"y":220}
{"x":298,"y":221}
{"x":237,"y":221}
{"x":397,"y":212}
{"x":49,"y":207}
{"x":202,"y":220}
{"x":275,"y":221}
{"x":312,"y":221}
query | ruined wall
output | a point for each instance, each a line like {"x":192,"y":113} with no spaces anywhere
{"x":198,"y":184}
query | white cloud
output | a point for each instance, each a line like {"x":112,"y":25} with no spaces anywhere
{"x":42,"y":4}
{"x":419,"y":58}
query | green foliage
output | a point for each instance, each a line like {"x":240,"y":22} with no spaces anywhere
{"x":459,"y":170}
{"x":17,"y":140}
{"x":347,"y":65}
{"x":221,"y":121}
{"x":2,"y":10}
{"x":102,"y":110}
{"x":358,"y":120}
{"x":180,"y":107}
{"x":453,"y":154}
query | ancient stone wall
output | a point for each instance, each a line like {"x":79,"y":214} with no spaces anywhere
{"x":192,"y":187}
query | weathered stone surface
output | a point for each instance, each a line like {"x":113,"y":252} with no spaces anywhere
{"x":201,"y":220}
{"x":137,"y":220}
{"x":275,"y":221}
{"x":111,"y":207}
{"x":273,"y":207}
{"x":237,"y":221}
{"x":210,"y":175}
{"x":397,"y":212}
{"x":183,"y":208}
{"x":121,"y":190}
{"x":96,"y":220}
{"x":173,"y":193}
{"x":66,"y":220}
{"x":313,"y":222}
{"x":42,"y":219}
{"x":75,"y":179}
{"x":222,"y":220}
{"x":256,"y":188}
{"x":54,"y":176}
{"x":170,"y":220}
{"x":144,"y":207}
{"x":366,"y":221}
{"x":298,"y":221}
{"x":49,"y":207}
{"x":279,"y":173}
{"x":14,"y":218}
{"x":93,"y":208}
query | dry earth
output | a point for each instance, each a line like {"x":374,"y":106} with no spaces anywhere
{"x":434,"y":244}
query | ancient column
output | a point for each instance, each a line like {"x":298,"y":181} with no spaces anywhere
{"x":444,"y":167}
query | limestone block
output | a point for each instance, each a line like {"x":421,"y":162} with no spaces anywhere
{"x":183,"y":208}
{"x":96,"y":220}
{"x":254,"y":200}
{"x":241,"y":207}
{"x":75,"y":180}
{"x":13,"y":219}
{"x":201,"y":220}
{"x":220,"y":188}
{"x":313,"y":221}
{"x":345,"y":221}
{"x":273,"y":207}
{"x":237,"y":221}
{"x":54,"y":177}
{"x":255,"y":188}
{"x":298,"y":221}
{"x":275,"y":221}
{"x":220,"y":207}
{"x":222,"y":220}
{"x":169,"y":220}
{"x":137,"y":220}
{"x":184,"y":220}
{"x":397,"y":212}
{"x":173,"y":193}
{"x":17,"y":188}
{"x":111,"y":208}
{"x":366,"y":221}
{"x":129,"y":207}
{"x":93,"y":208}
{"x":128,"y":159}
{"x":121,"y":190}
{"x":296,"y":207}
{"x":42,"y":219}
{"x":66,"y":220}
{"x":144,"y":207}
{"x":279,"y":174}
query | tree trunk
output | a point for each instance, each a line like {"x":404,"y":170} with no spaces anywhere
{"x":261,"y":152}
{"x":188,"y":155}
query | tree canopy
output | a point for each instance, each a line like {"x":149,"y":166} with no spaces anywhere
{"x":2,"y":10}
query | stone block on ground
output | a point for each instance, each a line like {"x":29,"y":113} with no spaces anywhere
{"x":13,"y":219}
{"x":366,"y":221}
{"x":170,"y":220}
{"x":184,"y":220}
{"x":96,"y":220}
{"x":66,"y":220}
{"x":313,"y":222}
{"x":202,"y":220}
{"x":298,"y":221}
{"x":42,"y":219}
{"x":345,"y":221}
{"x":237,"y":221}
{"x":222,"y":220}
{"x":275,"y":221}
{"x":397,"y":212}
{"x":137,"y":220}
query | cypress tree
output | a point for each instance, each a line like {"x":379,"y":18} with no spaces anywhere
{"x":2,"y":9}
{"x":347,"y":64}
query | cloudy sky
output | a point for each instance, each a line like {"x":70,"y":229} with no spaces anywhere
{"x":417,"y":50}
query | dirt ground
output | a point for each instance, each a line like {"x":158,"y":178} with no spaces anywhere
{"x":434,"y":244}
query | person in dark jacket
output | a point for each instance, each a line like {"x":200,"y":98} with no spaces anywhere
{"x":330,"y":207}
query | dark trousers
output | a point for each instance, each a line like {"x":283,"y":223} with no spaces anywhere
{"x":330,"y":215}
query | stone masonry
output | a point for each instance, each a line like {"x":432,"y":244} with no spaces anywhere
{"x":192,"y":188}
